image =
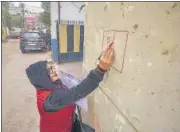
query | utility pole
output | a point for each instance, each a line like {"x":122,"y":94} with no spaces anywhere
{"x":23,"y":11}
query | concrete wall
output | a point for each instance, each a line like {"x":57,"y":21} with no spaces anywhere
{"x":145,"y":97}
{"x":54,"y":18}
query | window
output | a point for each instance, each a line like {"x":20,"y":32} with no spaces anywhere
{"x":31,"y":35}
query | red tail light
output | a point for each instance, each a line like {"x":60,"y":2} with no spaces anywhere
{"x":41,"y":41}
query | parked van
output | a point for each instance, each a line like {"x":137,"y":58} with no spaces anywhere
{"x":15,"y":32}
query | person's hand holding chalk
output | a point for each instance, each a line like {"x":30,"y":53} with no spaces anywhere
{"x":107,"y":57}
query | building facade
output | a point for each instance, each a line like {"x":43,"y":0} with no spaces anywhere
{"x":67,"y":30}
{"x":144,"y":95}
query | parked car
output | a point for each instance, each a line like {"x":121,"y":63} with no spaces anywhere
{"x":33,"y":40}
{"x":15,"y":32}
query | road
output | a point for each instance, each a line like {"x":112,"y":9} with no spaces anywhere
{"x":19,"y":112}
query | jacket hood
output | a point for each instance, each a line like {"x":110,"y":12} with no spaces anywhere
{"x":39,"y":77}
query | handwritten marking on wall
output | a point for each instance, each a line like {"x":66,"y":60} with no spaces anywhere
{"x":120,"y":38}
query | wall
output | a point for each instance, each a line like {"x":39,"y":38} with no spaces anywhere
{"x":71,"y":11}
{"x":69,"y":14}
{"x":145,"y":96}
{"x":54,"y":18}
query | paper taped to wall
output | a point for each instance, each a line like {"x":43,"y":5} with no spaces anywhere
{"x":119,"y":37}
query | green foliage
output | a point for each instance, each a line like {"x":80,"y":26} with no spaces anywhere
{"x":16,"y":21}
{"x":6,"y":17}
{"x":5,"y":5}
{"x":45,"y":5}
{"x":45,"y":17}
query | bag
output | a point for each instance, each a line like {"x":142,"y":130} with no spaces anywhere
{"x":70,"y":81}
{"x":78,"y":125}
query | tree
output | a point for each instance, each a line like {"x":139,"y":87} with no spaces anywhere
{"x":16,"y":20}
{"x":6,"y":17}
{"x":45,"y":6}
{"x":45,"y":17}
{"x":5,"y":5}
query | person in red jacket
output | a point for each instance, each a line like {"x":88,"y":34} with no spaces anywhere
{"x":54,"y":101}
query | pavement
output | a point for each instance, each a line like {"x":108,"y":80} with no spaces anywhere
{"x":19,"y":111}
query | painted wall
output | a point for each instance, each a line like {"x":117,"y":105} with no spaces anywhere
{"x":71,"y":11}
{"x":54,"y":18}
{"x":145,"y":97}
{"x":69,"y":14}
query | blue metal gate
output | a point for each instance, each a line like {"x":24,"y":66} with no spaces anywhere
{"x":71,"y":39}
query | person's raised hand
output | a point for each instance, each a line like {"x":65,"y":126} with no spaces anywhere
{"x":107,"y":57}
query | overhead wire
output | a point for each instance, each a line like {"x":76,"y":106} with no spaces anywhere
{"x":80,"y":8}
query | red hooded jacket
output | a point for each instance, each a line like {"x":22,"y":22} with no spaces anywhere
{"x":54,"y":101}
{"x":60,"y":121}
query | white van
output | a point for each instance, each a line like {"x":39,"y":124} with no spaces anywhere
{"x":15,"y":32}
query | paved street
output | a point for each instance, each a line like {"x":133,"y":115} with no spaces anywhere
{"x":19,"y":111}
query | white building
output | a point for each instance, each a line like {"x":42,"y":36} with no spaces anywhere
{"x":68,"y":13}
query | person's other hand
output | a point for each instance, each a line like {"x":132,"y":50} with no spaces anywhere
{"x":107,"y":57}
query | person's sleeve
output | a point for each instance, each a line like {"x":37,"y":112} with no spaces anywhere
{"x":61,"y":98}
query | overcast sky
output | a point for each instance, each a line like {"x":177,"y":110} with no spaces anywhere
{"x":36,"y":4}
{"x":33,"y":6}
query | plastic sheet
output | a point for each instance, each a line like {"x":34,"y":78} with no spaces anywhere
{"x":70,"y":81}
